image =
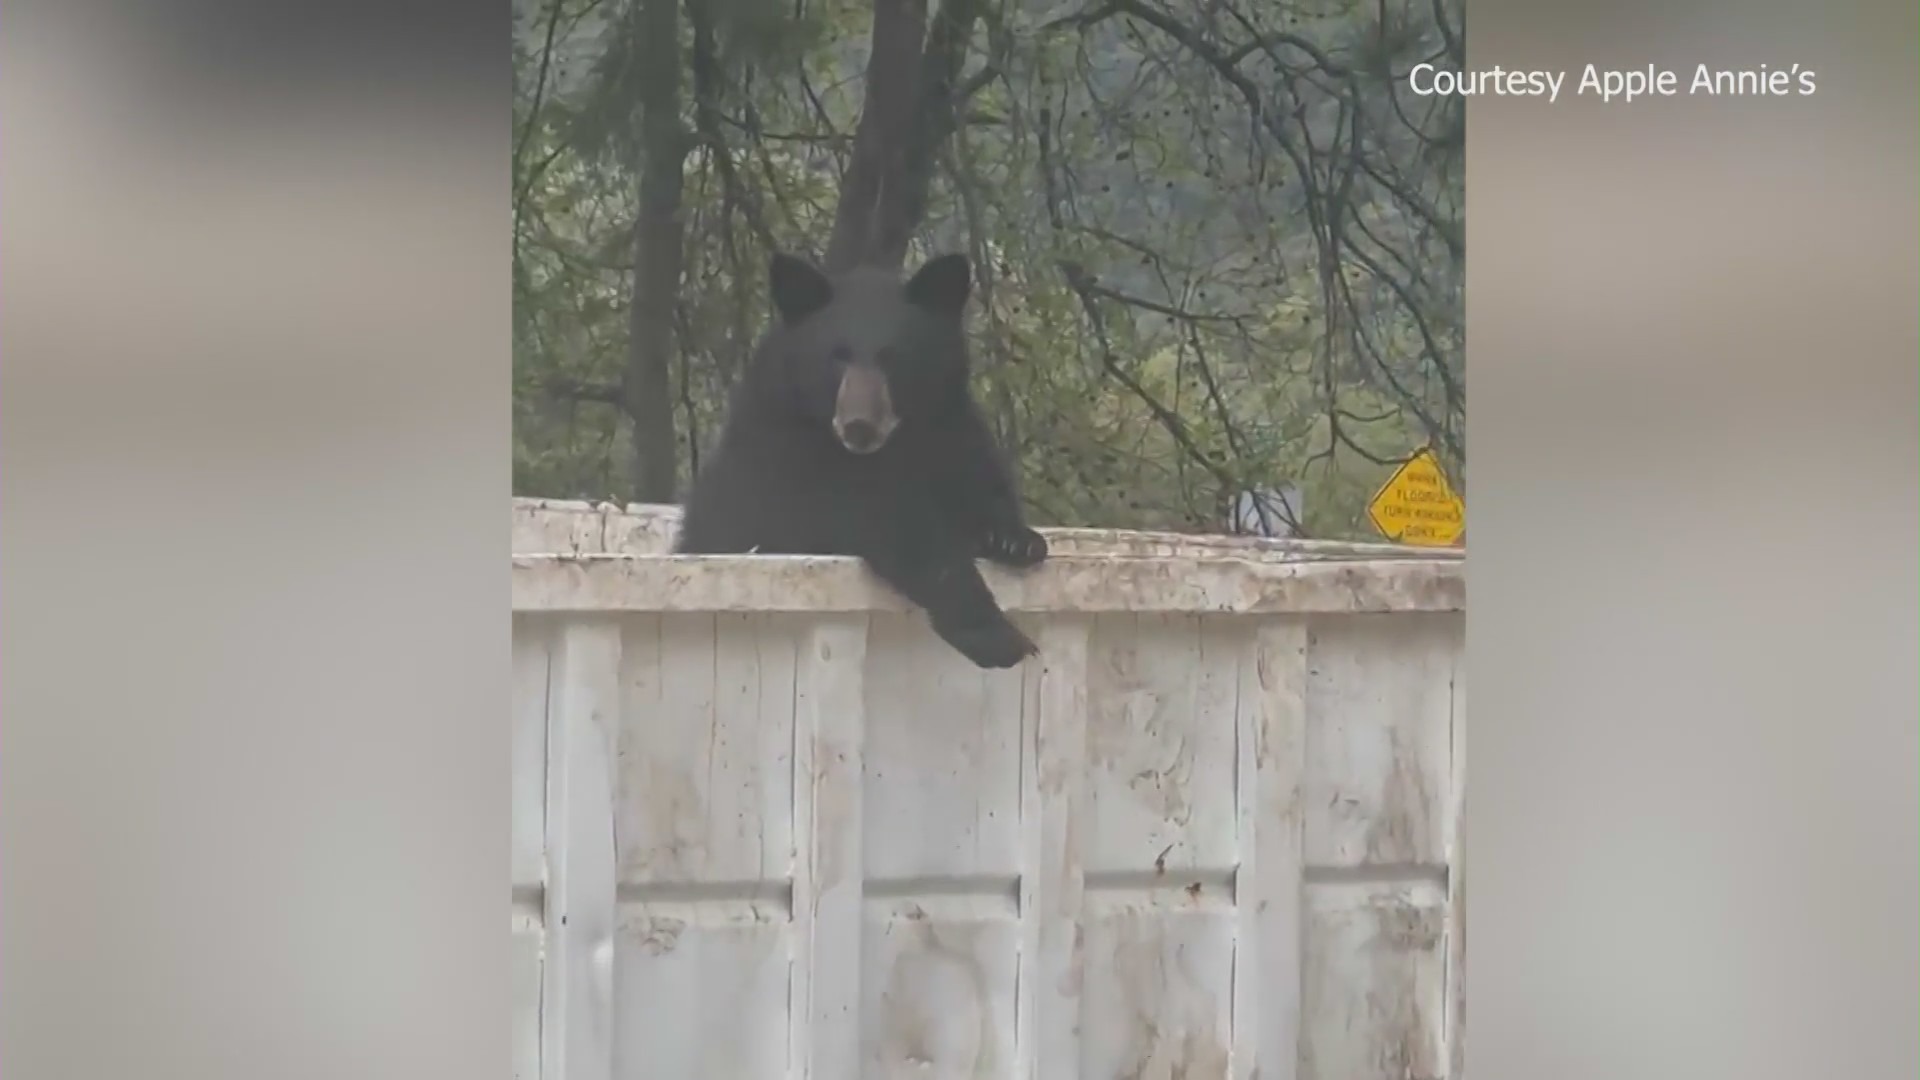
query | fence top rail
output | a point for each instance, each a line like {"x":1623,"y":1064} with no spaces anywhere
{"x":550,"y":526}
{"x":1065,"y":584}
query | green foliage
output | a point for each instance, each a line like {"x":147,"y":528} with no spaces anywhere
{"x":1183,"y":292}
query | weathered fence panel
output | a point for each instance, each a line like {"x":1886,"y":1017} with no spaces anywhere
{"x":767,"y":825}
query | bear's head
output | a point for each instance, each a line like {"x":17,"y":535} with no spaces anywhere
{"x":864,"y":353}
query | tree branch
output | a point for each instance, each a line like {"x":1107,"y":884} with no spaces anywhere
{"x":658,"y":247}
{"x":893,"y":71}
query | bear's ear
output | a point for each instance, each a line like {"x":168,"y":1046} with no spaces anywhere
{"x":942,"y":285}
{"x":799,"y":288}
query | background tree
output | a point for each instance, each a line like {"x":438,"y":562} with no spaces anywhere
{"x":1219,"y":244}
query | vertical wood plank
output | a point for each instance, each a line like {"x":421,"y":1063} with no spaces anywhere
{"x":942,"y":759}
{"x":577,"y":990}
{"x":1375,"y":988}
{"x":1456,"y":876}
{"x":828,"y":877}
{"x":1052,"y":880}
{"x":1272,"y":721}
{"x":533,"y":646}
{"x":527,"y":947}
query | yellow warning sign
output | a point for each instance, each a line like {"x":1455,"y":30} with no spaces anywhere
{"x":1417,"y":506}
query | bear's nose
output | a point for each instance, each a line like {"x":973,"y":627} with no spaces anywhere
{"x":861,"y":436}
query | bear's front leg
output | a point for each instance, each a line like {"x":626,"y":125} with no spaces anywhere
{"x":979,"y":480}
{"x":1005,"y":537}
{"x":959,"y":604}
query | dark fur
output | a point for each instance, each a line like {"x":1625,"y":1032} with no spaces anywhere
{"x":920,"y":509}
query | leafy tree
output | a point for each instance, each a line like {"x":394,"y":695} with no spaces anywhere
{"x":1219,"y":244}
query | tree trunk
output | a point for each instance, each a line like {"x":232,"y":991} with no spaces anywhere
{"x":886,"y":112}
{"x":907,"y":114}
{"x":648,"y":386}
{"x":902,"y":203}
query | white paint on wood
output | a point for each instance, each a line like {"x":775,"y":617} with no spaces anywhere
{"x":1158,"y":995}
{"x":1272,"y":724}
{"x":1375,"y":976}
{"x":1052,"y":896}
{"x":705,"y":787}
{"x":577,"y":996}
{"x":703,"y":809}
{"x":942,"y":797}
{"x":545,"y":526}
{"x":1218,"y":840}
{"x":527,"y":947}
{"x":1380,"y":695}
{"x":1078,"y":583}
{"x":829,"y":880}
{"x":532,"y":657}
{"x":1160,"y":746}
{"x":939,"y":994}
{"x":1456,"y":873}
{"x":699,"y":996}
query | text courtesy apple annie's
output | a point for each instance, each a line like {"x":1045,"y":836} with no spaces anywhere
{"x":1611,"y":85}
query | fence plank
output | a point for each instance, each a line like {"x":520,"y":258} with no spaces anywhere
{"x":577,"y":996}
{"x":828,"y":885}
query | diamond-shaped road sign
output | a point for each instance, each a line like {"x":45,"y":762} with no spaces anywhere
{"x":1417,"y":506}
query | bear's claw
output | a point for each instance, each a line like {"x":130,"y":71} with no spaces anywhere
{"x":1020,"y":549}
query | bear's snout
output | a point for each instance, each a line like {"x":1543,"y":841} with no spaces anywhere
{"x":860,"y":436}
{"x":863,"y":416}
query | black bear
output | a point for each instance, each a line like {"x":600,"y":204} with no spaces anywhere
{"x":854,"y":432}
